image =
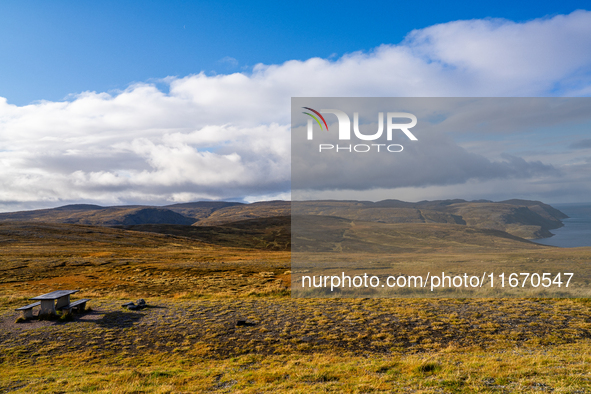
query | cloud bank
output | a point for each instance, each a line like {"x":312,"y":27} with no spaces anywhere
{"x":228,"y":136}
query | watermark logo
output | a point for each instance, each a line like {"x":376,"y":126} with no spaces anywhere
{"x":344,"y":123}
{"x":316,"y":119}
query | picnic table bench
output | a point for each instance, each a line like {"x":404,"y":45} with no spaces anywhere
{"x":55,"y":299}
{"x":59,"y":299}
{"x":27,"y":310}
{"x":79,"y":305}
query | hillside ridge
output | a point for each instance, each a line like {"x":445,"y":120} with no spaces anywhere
{"x":527,"y":219}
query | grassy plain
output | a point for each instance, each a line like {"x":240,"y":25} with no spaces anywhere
{"x":197,"y":288}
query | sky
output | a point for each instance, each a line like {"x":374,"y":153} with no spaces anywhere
{"x":158,"y":102}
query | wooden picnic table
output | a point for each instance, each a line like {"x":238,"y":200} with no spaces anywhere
{"x":48,"y":301}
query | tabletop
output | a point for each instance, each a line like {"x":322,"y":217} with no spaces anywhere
{"x":54,"y":295}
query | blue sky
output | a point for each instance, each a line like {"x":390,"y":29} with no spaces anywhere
{"x":145,"y":102}
{"x":51,"y":50}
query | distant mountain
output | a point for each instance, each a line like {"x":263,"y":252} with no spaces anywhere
{"x":257,"y":210}
{"x":539,"y":207}
{"x":99,"y":216}
{"x":79,"y":207}
{"x":523,"y":218}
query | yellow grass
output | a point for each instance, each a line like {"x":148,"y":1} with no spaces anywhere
{"x":563,"y":368}
{"x":187,"y":340}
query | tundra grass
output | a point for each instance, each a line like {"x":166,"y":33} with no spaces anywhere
{"x":561,"y":368}
{"x":291,"y":345}
{"x":188,"y":340}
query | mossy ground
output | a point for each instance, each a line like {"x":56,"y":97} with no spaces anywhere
{"x":362,"y":345}
{"x":561,"y":368}
{"x":187,"y":340}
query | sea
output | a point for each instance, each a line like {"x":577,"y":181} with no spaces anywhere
{"x":576,"y":230}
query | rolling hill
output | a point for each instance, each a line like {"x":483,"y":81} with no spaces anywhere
{"x":257,"y":210}
{"x":95,"y":215}
{"x":272,"y":233}
{"x":523,"y":218}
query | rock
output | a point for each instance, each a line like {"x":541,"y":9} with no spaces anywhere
{"x":245,"y":323}
{"x":139,"y":304}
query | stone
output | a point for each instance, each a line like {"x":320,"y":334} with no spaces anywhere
{"x":139,"y":304}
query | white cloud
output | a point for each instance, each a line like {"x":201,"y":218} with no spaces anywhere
{"x":227,"y":136}
{"x":229,"y":61}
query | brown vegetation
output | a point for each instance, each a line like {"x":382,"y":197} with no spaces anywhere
{"x":522,"y":218}
{"x":198,"y":284}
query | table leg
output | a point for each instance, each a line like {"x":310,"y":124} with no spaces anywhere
{"x":47,"y":307}
{"x":63,"y":301}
